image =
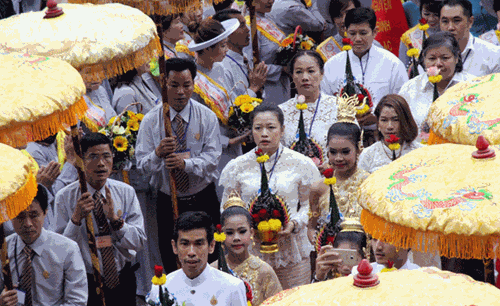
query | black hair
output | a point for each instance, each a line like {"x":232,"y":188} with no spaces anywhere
{"x":49,"y":140}
{"x":442,"y":39}
{"x":207,"y":29}
{"x":496,"y":6}
{"x":93,"y":139}
{"x":465,"y":4}
{"x":407,"y":126}
{"x":42,"y":198}
{"x":179,"y":65}
{"x":192,"y":220}
{"x":345,"y":129}
{"x":319,"y":60}
{"x":356,"y":238}
{"x":235,"y":211}
{"x":223,"y":5}
{"x":126,"y":78}
{"x":433,"y":6}
{"x":226,"y":14}
{"x":262,"y":108}
{"x":361,"y":15}
{"x":336,"y":6}
{"x":166,"y":21}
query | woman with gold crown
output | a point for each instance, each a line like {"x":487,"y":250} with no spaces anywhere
{"x":277,"y":181}
{"x":236,"y":223}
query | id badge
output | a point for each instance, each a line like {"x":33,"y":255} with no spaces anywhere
{"x":21,"y":296}
{"x":103,"y":242}
{"x":185,"y":154}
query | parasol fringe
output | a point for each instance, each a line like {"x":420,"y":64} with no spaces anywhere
{"x":21,"y":199}
{"x":451,"y":245}
{"x":435,"y":139}
{"x":118,"y":66}
{"x":43,"y":127}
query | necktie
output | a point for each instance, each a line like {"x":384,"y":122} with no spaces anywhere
{"x":181,"y":177}
{"x":26,"y":282}
{"x":107,"y":254}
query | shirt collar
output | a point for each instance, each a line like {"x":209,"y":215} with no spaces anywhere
{"x":200,"y":279}
{"x":102,"y":190}
{"x":37,"y":246}
{"x":236,"y":56}
{"x":469,"y":46}
{"x":184,"y":112}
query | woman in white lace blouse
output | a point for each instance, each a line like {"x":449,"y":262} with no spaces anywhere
{"x":393,"y":118}
{"x":290,"y":175}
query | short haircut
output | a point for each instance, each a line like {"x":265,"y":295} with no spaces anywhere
{"x":42,"y":198}
{"x":361,"y":15}
{"x":407,"y":126}
{"x":235,"y":211}
{"x":336,"y":6}
{"x":357,"y":239}
{"x":348,"y":130}
{"x":442,"y":39}
{"x":315,"y":55}
{"x":262,"y":108}
{"x":433,"y":6}
{"x":126,"y":78}
{"x":192,"y":220}
{"x":465,"y":4}
{"x":179,"y":65}
{"x":226,"y":14}
{"x":93,"y":139}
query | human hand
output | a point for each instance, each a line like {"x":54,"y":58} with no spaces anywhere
{"x":8,"y":297}
{"x":108,"y":206}
{"x":258,"y":76}
{"x":327,"y":261}
{"x":167,"y":146}
{"x":239,"y":139}
{"x":288,"y":229}
{"x":47,"y":175}
{"x":174,"y":161}
{"x":69,"y":149}
{"x":84,"y":206}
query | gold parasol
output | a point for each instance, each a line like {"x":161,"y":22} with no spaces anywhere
{"x":425,"y":286}
{"x":101,"y":41}
{"x":437,"y":199}
{"x":465,"y":111}
{"x":39,"y":95}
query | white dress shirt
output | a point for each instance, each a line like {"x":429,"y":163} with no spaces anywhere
{"x":211,"y":287}
{"x":202,"y":138}
{"x":126,"y":241}
{"x":236,"y":75}
{"x":59,"y":276}
{"x":142,"y":89}
{"x":378,"y":267}
{"x":378,"y":155}
{"x":480,"y":57}
{"x":384,"y":73}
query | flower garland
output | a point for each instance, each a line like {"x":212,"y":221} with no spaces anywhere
{"x":389,"y":267}
{"x":160,"y":278}
{"x":219,"y":236}
{"x":394,"y":145}
{"x":412,"y":53}
{"x":329,"y":178}
{"x":434,"y":78}
{"x":301,"y":103}
{"x":347,"y":44}
{"x":423,"y":25}
{"x":261,"y":157}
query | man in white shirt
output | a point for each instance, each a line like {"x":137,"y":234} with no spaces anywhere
{"x":46,"y":266}
{"x":197,"y":283}
{"x":479,"y":57}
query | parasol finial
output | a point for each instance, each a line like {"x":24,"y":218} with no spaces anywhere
{"x":365,"y":278}
{"x":53,"y":11}
{"x":483,"y":151}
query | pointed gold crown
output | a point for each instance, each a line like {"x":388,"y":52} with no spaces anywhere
{"x":351,"y":225}
{"x":347,"y":107}
{"x":234,"y":200}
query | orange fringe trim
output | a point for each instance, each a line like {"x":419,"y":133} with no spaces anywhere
{"x":19,"y":134}
{"x":452,"y":245}
{"x":119,"y":66}
{"x":21,"y":199}
{"x":156,"y":7}
{"x":435,"y":139}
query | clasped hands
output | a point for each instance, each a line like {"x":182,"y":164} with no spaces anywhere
{"x":166,"y":150}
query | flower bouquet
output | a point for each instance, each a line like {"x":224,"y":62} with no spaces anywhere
{"x":329,"y":230}
{"x":122,"y":130}
{"x":269,"y":212}
{"x":291,"y":44}
{"x":161,"y":297}
{"x":239,"y":113}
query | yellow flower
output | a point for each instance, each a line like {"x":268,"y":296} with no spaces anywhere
{"x":361,"y":111}
{"x":249,"y":303}
{"x":287,"y":41}
{"x":247,"y":107}
{"x":346,"y":48}
{"x":301,"y":106}
{"x":220,"y":237}
{"x":159,"y":280}
{"x":423,"y":27}
{"x":130,"y":114}
{"x":120,"y":143}
{"x":112,"y":120}
{"x":264,"y":226}
{"x":330,"y":181}
{"x":133,"y":125}
{"x":305,"y":45}
{"x":394,"y":146}
{"x":435,"y":79}
{"x":240,"y":100}
{"x":275,"y":225}
{"x":139,"y":117}
{"x":103,"y":131}
{"x":231,"y":111}
{"x":413,"y":52}
{"x":263,"y":158}
{"x":388,"y":269}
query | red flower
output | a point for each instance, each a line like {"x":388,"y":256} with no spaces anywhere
{"x":249,"y":291}
{"x":390,"y":264}
{"x":346,"y":41}
{"x":219,"y":228}
{"x":262,"y":213}
{"x":158,"y":271}
{"x":361,"y":97}
{"x":330,"y":239}
{"x":259,"y":152}
{"x":256,"y":218}
{"x":276,"y":214}
{"x":328,"y":173}
{"x":392,"y":139}
{"x":422,"y":21}
{"x":410,"y":46}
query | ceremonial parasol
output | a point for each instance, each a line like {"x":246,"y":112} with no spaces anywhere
{"x":39,"y":95}
{"x":425,"y":286}
{"x":441,"y":198}
{"x":465,"y":111}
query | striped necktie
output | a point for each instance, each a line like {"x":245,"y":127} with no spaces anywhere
{"x":181,"y":177}
{"x":26,"y":283}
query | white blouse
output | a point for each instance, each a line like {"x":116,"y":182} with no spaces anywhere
{"x":378,"y":155}
{"x":291,"y":179}
{"x":324,"y":114}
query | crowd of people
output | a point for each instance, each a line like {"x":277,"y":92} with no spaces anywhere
{"x":209,"y":68}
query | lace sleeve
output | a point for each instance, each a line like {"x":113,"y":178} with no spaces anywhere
{"x":310,"y":175}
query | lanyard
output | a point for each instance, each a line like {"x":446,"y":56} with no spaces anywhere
{"x":363,"y":70}
{"x":187,"y":126}
{"x":314,"y":116}
{"x":241,"y":68}
{"x":468,"y":52}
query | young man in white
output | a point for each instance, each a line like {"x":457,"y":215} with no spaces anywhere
{"x":197,"y":283}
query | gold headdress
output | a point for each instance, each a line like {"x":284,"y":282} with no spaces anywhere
{"x":347,"y":107}
{"x":234,"y":200}
{"x":351,"y":225}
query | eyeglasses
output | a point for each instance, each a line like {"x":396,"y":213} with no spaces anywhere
{"x":96,"y":157}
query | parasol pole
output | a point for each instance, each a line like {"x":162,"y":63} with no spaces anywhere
{"x":7,"y":276}
{"x":255,"y":40}
{"x":90,"y":224}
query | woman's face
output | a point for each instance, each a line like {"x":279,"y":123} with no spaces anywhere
{"x":346,"y":269}
{"x":388,"y":122}
{"x":217,"y":52}
{"x":342,"y":155}
{"x":432,"y":18}
{"x":443,"y":59}
{"x":339,"y":21}
{"x":267,"y":131}
{"x":307,"y":75}
{"x":263,"y":6}
{"x":175,"y":32}
{"x":238,"y":234}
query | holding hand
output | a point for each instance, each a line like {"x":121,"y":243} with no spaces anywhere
{"x":288,"y":229}
{"x":174,"y":161}
{"x":83,"y":207}
{"x":8,"y":297}
{"x":47,"y":175}
{"x":167,"y":146}
{"x":327,"y":261}
{"x":258,"y":76}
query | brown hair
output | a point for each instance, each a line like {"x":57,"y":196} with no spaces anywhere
{"x":207,"y":29}
{"x":407,"y":125}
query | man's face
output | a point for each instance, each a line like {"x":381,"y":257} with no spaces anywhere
{"x":98,"y":161}
{"x":362,"y":37}
{"x":180,"y":87}
{"x":241,"y":37}
{"x":28,"y":224}
{"x":193,"y":248}
{"x":454,"y":21}
{"x":385,"y":252}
